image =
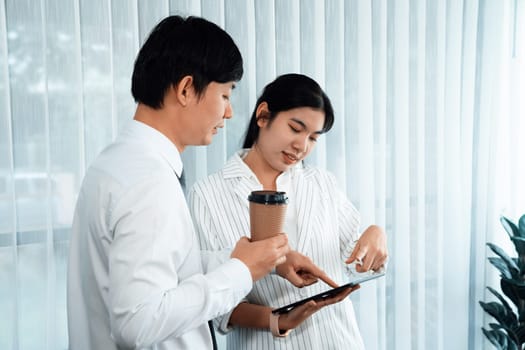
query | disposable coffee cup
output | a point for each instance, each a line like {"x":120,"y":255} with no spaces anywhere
{"x":267,"y":211}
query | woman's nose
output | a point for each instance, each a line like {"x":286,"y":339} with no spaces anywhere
{"x":301,"y":144}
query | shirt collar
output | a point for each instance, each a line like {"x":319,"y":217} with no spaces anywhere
{"x":136,"y":131}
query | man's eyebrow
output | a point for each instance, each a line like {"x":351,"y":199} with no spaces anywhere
{"x":233,"y":86}
{"x":300,"y":122}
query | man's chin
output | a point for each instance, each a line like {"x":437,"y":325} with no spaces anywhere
{"x":204,"y":142}
{"x":207,"y":141}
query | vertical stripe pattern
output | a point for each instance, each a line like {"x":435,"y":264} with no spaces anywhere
{"x":327,"y":228}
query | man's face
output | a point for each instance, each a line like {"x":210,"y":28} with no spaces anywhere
{"x":205,"y":114}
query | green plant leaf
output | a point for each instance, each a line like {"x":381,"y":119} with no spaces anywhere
{"x":498,"y":311}
{"x":502,"y":300}
{"x":519,"y":243}
{"x":518,"y":282}
{"x":496,"y":337}
{"x":495,"y":326}
{"x":510,"y":227}
{"x":521,"y":313}
{"x":509,"y":290}
{"x":514,"y":269}
{"x":521,"y":224}
{"x":499,"y":339}
{"x":521,"y":317}
{"x":501,"y":266}
{"x":511,"y":333}
{"x":520,"y":333}
{"x":516,"y":293}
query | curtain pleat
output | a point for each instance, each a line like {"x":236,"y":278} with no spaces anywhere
{"x":8,"y":250}
{"x":313,"y":56}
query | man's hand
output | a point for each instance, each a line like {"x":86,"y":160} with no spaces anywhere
{"x":297,"y":316}
{"x":301,"y":271}
{"x":370,"y":252}
{"x":261,"y":256}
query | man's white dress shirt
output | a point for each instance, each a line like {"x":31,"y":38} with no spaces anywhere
{"x":135,"y":277}
{"x":322,"y":224}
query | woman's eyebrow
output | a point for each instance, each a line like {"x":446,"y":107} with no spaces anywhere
{"x":300,"y":122}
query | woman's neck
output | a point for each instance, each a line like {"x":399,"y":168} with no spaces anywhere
{"x":266,"y":175}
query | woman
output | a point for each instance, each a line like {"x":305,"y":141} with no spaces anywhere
{"x":289,"y":117}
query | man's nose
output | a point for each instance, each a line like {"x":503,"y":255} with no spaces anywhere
{"x":228,"y":112}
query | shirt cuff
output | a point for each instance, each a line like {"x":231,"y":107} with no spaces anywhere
{"x":234,"y":275}
{"x":243,"y":271}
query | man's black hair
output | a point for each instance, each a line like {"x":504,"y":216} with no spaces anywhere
{"x":178,"y":47}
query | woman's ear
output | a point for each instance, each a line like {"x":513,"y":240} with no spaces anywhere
{"x":184,"y":90}
{"x":262,"y":114}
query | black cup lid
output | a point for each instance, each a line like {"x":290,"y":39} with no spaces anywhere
{"x":268,"y":197}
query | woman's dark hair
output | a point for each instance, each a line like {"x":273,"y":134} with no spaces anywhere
{"x":178,"y":47}
{"x":287,"y":92}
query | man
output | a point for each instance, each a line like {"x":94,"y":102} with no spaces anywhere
{"x":135,"y":277}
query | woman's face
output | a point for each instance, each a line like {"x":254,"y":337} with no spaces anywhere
{"x":290,"y":137}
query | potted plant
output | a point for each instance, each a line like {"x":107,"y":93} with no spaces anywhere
{"x":509,"y":331}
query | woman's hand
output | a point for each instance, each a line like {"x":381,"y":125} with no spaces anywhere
{"x":300,"y":270}
{"x":297,"y":316}
{"x":370,"y":252}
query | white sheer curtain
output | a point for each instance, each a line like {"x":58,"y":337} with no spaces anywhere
{"x":428,"y":140}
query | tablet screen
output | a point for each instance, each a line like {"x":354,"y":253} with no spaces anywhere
{"x":327,"y":294}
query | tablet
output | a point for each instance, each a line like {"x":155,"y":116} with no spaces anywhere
{"x":327,"y":294}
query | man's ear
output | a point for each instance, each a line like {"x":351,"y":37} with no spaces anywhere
{"x":184,"y":90}
{"x":262,"y":114}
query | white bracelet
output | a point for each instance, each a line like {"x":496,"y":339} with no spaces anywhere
{"x":274,"y":326}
